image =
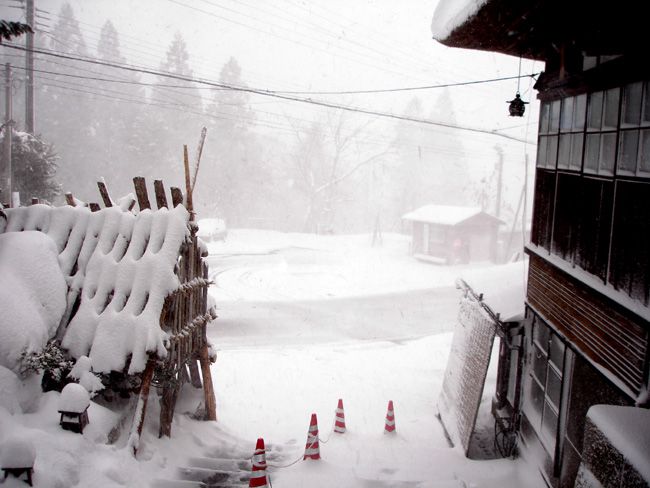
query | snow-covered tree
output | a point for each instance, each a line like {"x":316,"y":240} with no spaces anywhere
{"x":34,"y":164}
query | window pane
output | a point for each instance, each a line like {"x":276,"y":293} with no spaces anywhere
{"x":549,"y":425}
{"x":554,"y":387}
{"x":644,"y":156}
{"x":551,"y":155}
{"x":595,"y":111}
{"x":564,"y":154}
{"x":629,"y":146}
{"x":541,"y":151}
{"x":539,"y":365}
{"x":566,"y":120}
{"x":607,"y":152}
{"x":555,"y":117}
{"x":610,"y":117}
{"x":580,"y":112}
{"x":592,"y":153}
{"x":544,"y":116}
{"x":646,"y":104}
{"x":541,"y":335}
{"x":557,"y":352}
{"x":596,"y":203}
{"x":631,"y":107}
{"x":576,"y":151}
{"x":536,"y":397}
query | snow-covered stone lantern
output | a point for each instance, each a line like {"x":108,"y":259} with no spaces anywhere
{"x":73,"y":407}
{"x":17,"y":457}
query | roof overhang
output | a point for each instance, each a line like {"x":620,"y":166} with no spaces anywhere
{"x":538,"y":29}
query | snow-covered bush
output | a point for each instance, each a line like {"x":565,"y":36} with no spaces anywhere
{"x":52,"y":361}
{"x":82,"y":373}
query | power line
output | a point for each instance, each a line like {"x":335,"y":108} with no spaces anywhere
{"x":411,"y":88}
{"x":269,"y":93}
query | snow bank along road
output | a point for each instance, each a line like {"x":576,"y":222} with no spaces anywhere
{"x":306,"y":320}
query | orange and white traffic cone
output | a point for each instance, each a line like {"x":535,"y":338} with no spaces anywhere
{"x":312,"y":449}
{"x":258,"y":474}
{"x":390,"y":419}
{"x":339,"y":423}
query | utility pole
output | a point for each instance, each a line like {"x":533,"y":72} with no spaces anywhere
{"x":5,"y":174}
{"x":29,"y":70}
{"x":499,"y":169}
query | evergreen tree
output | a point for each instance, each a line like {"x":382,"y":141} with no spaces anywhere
{"x":34,"y":165}
{"x":236,"y":181}
{"x":175,"y":117}
{"x":66,"y":113}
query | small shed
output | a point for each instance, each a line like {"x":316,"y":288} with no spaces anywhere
{"x":447,"y":234}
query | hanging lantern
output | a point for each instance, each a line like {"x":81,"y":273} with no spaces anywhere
{"x":517,"y":106}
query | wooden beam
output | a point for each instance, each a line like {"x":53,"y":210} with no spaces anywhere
{"x":35,"y":201}
{"x":208,"y":388}
{"x":103,"y":191}
{"x":94,"y":207}
{"x":161,"y":198}
{"x":177,"y":196}
{"x":141,"y":407}
{"x":195,"y":377}
{"x":70,"y":199}
{"x":141,"y":192}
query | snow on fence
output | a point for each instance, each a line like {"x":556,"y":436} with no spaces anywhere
{"x":137,"y":298}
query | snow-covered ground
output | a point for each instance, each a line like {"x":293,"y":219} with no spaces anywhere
{"x":303,"y":321}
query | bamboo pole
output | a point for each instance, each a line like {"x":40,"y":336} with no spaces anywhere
{"x":188,"y":183}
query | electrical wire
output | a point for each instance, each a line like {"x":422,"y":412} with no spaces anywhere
{"x":267,"y":93}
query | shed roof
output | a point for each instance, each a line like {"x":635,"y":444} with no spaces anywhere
{"x":535,"y":29}
{"x":447,"y":215}
{"x":123,"y":265}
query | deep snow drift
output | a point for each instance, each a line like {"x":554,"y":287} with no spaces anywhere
{"x":304,"y":321}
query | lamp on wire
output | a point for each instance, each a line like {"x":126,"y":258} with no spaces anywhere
{"x":517,"y":105}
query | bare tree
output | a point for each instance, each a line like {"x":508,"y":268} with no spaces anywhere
{"x":328,"y":156}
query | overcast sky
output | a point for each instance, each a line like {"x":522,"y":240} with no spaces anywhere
{"x":315,"y":45}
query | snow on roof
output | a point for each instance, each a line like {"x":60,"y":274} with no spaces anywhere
{"x":503,"y":288}
{"x":32,"y":294}
{"x":443,"y":214}
{"x":628,"y":430}
{"x":123,"y":264}
{"x":450,"y":14}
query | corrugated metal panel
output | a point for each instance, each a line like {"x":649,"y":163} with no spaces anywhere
{"x":607,"y":336}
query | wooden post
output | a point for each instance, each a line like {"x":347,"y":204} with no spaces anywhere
{"x":35,"y":201}
{"x":94,"y":207}
{"x":141,"y":407}
{"x":188,"y":183}
{"x":195,"y":377}
{"x":141,"y":192}
{"x":161,"y":198}
{"x":70,"y":199}
{"x":199,"y":151}
{"x":167,"y":406}
{"x":208,"y":389}
{"x":177,"y":196}
{"x":103,"y":191}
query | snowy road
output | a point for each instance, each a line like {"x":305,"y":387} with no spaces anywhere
{"x":305,"y":320}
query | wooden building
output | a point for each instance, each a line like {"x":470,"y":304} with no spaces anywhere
{"x":448,"y":234}
{"x":585,"y":338}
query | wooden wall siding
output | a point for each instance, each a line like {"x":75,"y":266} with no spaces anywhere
{"x":604,"y":334}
